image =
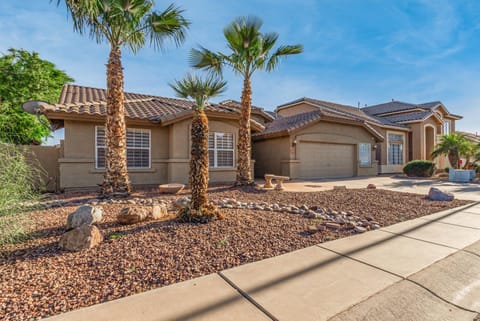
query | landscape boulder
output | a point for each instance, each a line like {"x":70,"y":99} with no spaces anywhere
{"x":86,"y":214}
{"x":133,"y":214}
{"x":81,"y":238}
{"x":434,"y":194}
{"x":159,"y":211}
{"x":371,"y":186}
{"x":181,"y":202}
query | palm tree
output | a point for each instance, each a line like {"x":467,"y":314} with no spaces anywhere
{"x":200,"y":90}
{"x":454,"y":146}
{"x":249,"y":51}
{"x":128,"y":24}
{"x":469,"y":151}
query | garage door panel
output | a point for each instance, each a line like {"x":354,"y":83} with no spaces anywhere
{"x":326,"y":160}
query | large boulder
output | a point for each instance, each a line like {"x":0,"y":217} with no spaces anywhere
{"x":133,"y":214}
{"x":81,"y":238}
{"x":434,"y":194}
{"x":86,"y":214}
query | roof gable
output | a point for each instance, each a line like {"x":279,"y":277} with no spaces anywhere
{"x":287,"y":125}
{"x":350,"y":112}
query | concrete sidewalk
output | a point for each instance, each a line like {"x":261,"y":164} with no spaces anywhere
{"x":424,"y":269}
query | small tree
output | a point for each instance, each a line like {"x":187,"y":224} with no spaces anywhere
{"x":249,"y":51}
{"x":25,"y":76}
{"x":454,"y":146}
{"x":200,"y":90}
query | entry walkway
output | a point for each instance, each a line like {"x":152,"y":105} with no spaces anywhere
{"x":424,"y":269}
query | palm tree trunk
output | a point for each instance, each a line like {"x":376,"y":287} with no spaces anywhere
{"x":454,"y":160}
{"x":244,"y":176}
{"x":116,"y":181}
{"x":199,"y":160}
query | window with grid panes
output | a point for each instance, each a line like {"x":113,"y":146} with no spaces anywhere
{"x":138,"y":148}
{"x":221,"y":151}
{"x":395,"y":149}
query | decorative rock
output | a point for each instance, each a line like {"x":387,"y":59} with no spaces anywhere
{"x":81,"y":238}
{"x":434,"y":194}
{"x":333,"y":226}
{"x":132,"y":215}
{"x":371,"y":186}
{"x":84,"y":215}
{"x":360,"y":229}
{"x":181,"y":202}
{"x":312,"y":229}
{"x":158,"y":212}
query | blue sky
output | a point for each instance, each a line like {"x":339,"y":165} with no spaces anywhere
{"x":367,"y":51}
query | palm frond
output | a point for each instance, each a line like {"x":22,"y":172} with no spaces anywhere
{"x":205,"y":59}
{"x":169,"y":24}
{"x":127,"y":22}
{"x":199,"y":89}
{"x":282,"y":51}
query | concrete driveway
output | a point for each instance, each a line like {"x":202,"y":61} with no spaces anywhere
{"x":466,"y":191}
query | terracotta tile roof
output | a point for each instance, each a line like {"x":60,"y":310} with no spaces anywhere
{"x":92,"y":101}
{"x":349,"y":112}
{"x":255,"y":109}
{"x":389,"y":107}
{"x":286,"y":125}
{"x":290,"y":123}
{"x":409,"y":116}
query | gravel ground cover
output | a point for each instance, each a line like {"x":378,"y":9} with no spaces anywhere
{"x":37,"y":279}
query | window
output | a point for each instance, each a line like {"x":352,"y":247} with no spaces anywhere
{"x":365,"y":154}
{"x":138,"y":148}
{"x":395,"y":149}
{"x":221,"y":150}
{"x":446,"y":127}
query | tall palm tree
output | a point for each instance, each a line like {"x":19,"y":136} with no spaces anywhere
{"x":123,"y":23}
{"x":200,"y":90}
{"x":454,"y":146}
{"x":249,"y":50}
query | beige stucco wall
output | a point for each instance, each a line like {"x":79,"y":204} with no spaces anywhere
{"x":295,"y":109}
{"x":269,"y":155}
{"x":77,"y":167}
{"x":45,"y":158}
{"x":170,"y":154}
{"x":179,"y":142}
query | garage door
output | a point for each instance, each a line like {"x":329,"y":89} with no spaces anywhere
{"x":326,"y":160}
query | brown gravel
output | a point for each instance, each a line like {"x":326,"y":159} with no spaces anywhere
{"x":37,"y":279}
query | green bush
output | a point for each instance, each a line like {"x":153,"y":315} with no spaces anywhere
{"x":19,"y":174}
{"x":447,"y":169}
{"x":419,"y":168}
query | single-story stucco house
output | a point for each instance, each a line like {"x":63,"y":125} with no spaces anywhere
{"x":311,"y":138}
{"x":158,"y":137}
{"x":306,"y":138}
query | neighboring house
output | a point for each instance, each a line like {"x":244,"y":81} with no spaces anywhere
{"x":312,"y":138}
{"x":158,"y":138}
{"x":474,"y":138}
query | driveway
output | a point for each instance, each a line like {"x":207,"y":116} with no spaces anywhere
{"x":465,"y":191}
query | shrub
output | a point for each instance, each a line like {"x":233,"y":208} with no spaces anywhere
{"x":447,"y":169}
{"x":19,"y":173}
{"x":419,"y":168}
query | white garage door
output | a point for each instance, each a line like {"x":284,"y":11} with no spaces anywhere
{"x":326,"y":160}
